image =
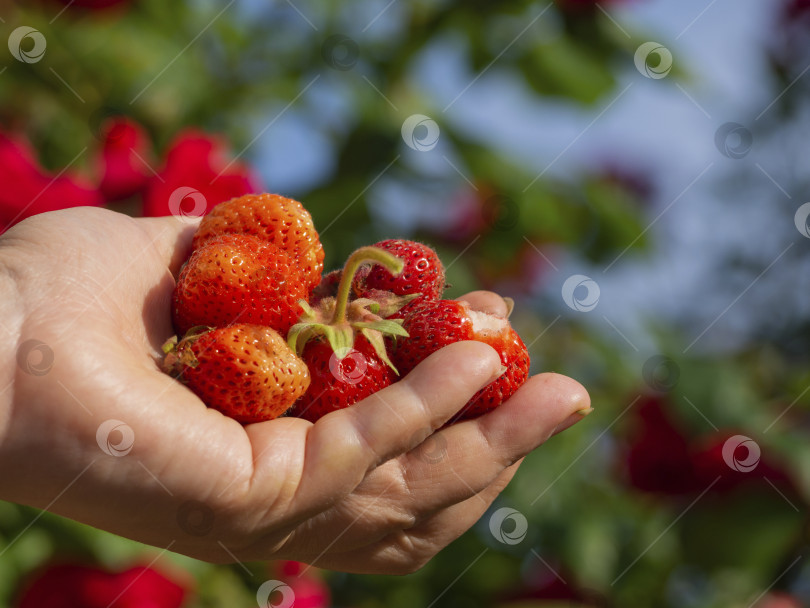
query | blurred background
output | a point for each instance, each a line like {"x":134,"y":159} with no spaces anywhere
{"x":632,"y":173}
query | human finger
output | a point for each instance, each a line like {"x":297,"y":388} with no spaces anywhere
{"x":487,"y":301}
{"x":342,"y":447}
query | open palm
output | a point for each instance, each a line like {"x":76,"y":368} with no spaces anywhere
{"x":91,"y":429}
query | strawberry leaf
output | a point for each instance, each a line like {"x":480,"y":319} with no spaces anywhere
{"x":375,"y":338}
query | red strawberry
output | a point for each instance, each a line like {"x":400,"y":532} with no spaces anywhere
{"x":343,"y":342}
{"x":280,"y":220}
{"x":326,"y":288}
{"x":439,"y":323}
{"x":238,"y":277}
{"x":423,"y":273}
{"x":245,"y":371}
{"x":337,"y":383}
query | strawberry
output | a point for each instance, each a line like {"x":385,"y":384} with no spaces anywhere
{"x":340,"y":382}
{"x":237,"y":277}
{"x":435,"y":324}
{"x":280,"y":220}
{"x":423,"y":273}
{"x":245,"y":371}
{"x":343,"y":343}
{"x":326,"y":288}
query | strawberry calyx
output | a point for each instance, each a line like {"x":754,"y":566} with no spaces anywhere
{"x":385,"y":303}
{"x":179,"y":355}
{"x":339,"y":319}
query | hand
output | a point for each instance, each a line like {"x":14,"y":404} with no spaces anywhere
{"x":85,"y":302}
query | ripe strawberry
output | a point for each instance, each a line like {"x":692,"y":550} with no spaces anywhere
{"x":337,"y":383}
{"x":423,"y":273}
{"x":237,"y":277}
{"x":343,"y":342}
{"x":245,"y":371}
{"x":280,"y":220}
{"x":326,"y":288}
{"x":439,"y":323}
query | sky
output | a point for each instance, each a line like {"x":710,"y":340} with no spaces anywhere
{"x":665,"y":126}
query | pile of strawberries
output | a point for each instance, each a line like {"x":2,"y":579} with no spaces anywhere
{"x":265,"y":333}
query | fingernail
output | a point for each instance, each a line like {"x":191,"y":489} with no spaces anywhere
{"x":510,"y":305}
{"x":498,"y":373}
{"x":572,"y":420}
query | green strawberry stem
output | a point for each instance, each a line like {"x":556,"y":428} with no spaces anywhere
{"x":365,"y":254}
{"x":338,"y":321}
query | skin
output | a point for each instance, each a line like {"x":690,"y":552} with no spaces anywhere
{"x":360,"y":491}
